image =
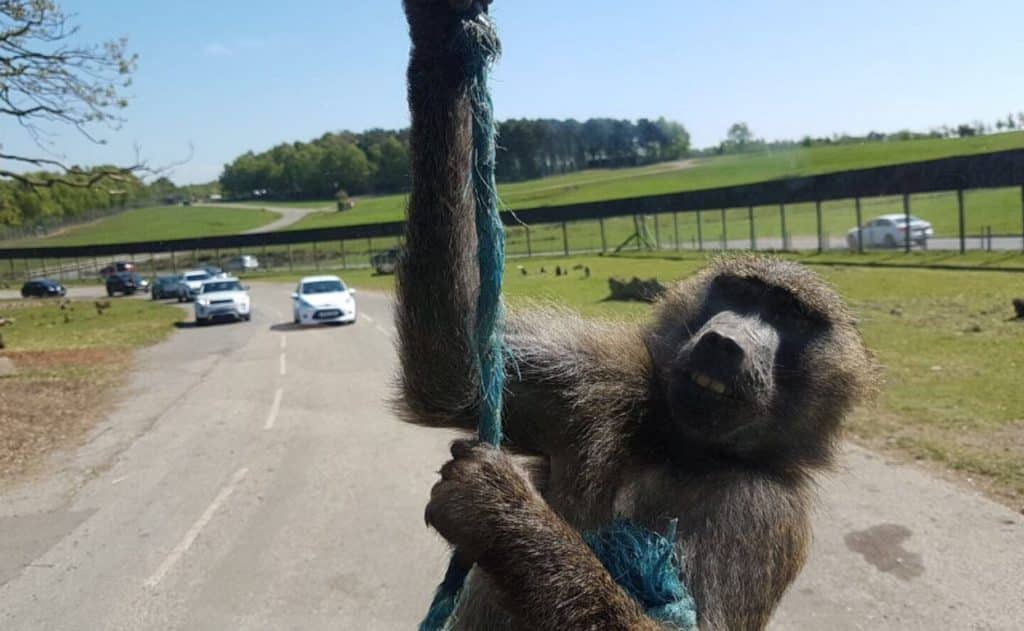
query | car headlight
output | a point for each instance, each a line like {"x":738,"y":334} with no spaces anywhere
{"x":203,"y":302}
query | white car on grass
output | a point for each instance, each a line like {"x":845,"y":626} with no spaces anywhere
{"x":890,"y":231}
{"x":190,"y":284}
{"x":322,"y":300}
{"x":223,"y":298}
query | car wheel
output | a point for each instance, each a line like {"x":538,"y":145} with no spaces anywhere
{"x":247,"y":317}
{"x":890,"y":242}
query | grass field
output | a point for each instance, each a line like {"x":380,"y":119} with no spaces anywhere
{"x":984,"y":208}
{"x":67,"y":358}
{"x":950,"y":350}
{"x":159,"y":222}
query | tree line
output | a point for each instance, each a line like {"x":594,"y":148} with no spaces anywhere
{"x":23,"y":204}
{"x":377,"y":161}
{"x":740,"y":139}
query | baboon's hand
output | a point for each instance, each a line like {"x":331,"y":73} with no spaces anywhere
{"x":481,"y":490}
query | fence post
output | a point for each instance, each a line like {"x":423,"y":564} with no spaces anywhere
{"x":675,"y":229}
{"x":860,"y":229}
{"x":316,"y":258}
{"x":700,"y":233}
{"x":725,"y":233}
{"x":604,"y":241}
{"x":529,"y":245}
{"x":960,"y":215}
{"x":782,"y":215}
{"x":753,"y":233}
{"x":817,"y":214}
{"x":565,"y":238}
{"x":906,"y":218}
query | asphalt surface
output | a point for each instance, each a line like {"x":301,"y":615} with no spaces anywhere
{"x":252,"y":477}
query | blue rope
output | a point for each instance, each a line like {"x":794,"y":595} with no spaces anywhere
{"x":642,"y":562}
{"x":476,"y":43}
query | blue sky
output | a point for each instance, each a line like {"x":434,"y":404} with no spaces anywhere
{"x":228,"y":76}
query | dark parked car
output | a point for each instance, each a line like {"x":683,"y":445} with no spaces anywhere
{"x":116,"y":267}
{"x":126,"y":283}
{"x":42,"y":288}
{"x":165,"y":287}
{"x":385,"y":262}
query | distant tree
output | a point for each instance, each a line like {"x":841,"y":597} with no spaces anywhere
{"x":392,"y":165}
{"x":740,"y":134}
{"x":965,"y":131}
{"x":1010,"y":124}
{"x":47,"y":78}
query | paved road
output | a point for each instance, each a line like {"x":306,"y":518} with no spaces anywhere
{"x":288,"y":215}
{"x":252,"y":478}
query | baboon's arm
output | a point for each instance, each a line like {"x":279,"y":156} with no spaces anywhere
{"x":437,"y":280}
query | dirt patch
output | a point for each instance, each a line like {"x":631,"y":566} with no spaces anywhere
{"x":64,"y":358}
{"x":52,"y":403}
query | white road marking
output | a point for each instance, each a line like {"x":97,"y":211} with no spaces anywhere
{"x":275,"y":407}
{"x":193,"y":532}
{"x":368,"y":318}
{"x":120,"y":480}
{"x":284,"y":366}
{"x":284,"y":342}
{"x":383,"y":330}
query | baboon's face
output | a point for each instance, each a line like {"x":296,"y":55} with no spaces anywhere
{"x":758,"y":355}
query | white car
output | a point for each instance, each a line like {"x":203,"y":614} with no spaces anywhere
{"x":890,"y":231}
{"x":222,"y":298}
{"x":242,"y":263}
{"x":190,"y":284}
{"x":323,"y":299}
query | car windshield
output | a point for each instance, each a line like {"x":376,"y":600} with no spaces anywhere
{"x":224,"y":285}
{"x":199,"y":276}
{"x":322,"y":287}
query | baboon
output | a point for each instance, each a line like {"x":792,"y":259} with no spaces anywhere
{"x":716,"y":414}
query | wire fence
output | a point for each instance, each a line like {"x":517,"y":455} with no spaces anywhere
{"x":969,"y":202}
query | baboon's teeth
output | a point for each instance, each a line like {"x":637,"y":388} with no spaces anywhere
{"x":707,"y":382}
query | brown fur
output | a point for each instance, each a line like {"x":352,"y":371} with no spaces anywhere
{"x":591,"y":400}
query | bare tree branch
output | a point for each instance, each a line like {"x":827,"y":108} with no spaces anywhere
{"x":47,"y":78}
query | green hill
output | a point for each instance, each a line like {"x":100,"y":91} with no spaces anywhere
{"x":600,"y":184}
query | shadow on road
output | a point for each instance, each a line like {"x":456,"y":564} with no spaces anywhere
{"x":191,"y":324}
{"x":285,"y":327}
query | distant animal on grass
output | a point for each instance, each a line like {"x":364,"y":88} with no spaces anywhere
{"x":718,"y":413}
{"x":1018,"y":307}
{"x":101,"y":306}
